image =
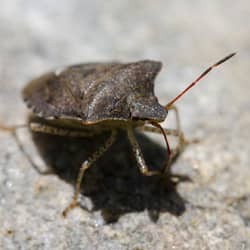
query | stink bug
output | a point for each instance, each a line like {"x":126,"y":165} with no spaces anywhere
{"x":86,"y":99}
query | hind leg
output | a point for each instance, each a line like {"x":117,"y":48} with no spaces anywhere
{"x":88,"y":163}
{"x":13,"y":131}
{"x":42,"y":128}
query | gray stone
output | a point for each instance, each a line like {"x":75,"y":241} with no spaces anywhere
{"x":129,"y":211}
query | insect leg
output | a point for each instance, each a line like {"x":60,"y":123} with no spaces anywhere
{"x":182,"y":142}
{"x":13,"y":131}
{"x":53,"y":130}
{"x":174,"y":132}
{"x":178,"y":124}
{"x":138,"y":155}
{"x":96,"y":155}
{"x":145,"y":128}
{"x":181,"y":139}
{"x":41,"y":128}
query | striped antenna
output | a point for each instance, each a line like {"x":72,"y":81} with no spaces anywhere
{"x":198,"y":79}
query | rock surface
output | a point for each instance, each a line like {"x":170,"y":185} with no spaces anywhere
{"x":212,"y":209}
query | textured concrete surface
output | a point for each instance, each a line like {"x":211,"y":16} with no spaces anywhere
{"x":209,"y":211}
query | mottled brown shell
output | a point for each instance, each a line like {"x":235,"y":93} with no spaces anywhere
{"x":96,"y":92}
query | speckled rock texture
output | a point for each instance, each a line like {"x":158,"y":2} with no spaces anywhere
{"x":206,"y":202}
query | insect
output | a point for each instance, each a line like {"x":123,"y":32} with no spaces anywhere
{"x":86,"y":99}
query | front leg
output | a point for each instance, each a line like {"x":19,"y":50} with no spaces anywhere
{"x":138,"y":155}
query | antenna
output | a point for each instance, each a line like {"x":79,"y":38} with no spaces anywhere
{"x":198,"y":79}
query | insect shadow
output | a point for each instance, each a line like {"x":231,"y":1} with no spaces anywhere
{"x":114,"y":183}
